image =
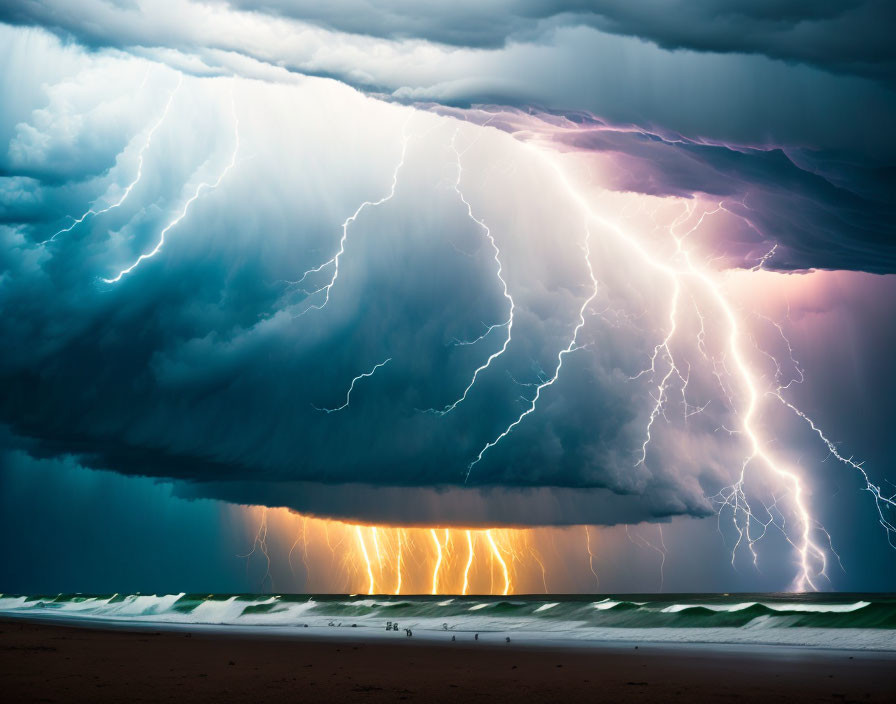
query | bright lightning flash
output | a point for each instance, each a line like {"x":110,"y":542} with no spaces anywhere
{"x":680,"y":273}
{"x":388,"y":559}
{"x":336,"y":258}
{"x":571,"y":347}
{"x":508,"y":324}
{"x":348,"y":394}
{"x":186,"y":206}
{"x":130,"y":186}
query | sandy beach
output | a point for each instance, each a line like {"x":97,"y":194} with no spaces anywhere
{"x":51,"y":662}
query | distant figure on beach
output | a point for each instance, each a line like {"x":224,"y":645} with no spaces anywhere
{"x":453,"y":638}
{"x":508,"y":639}
{"x":395,"y":626}
{"x":388,"y":625}
{"x":476,"y":637}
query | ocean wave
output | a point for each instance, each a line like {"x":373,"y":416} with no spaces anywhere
{"x":743,"y":620}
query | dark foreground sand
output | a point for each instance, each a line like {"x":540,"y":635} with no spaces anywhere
{"x":57,"y":663}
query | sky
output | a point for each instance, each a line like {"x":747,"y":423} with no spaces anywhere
{"x":521,"y":266}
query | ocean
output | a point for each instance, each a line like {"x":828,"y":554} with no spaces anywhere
{"x":839,"y":621}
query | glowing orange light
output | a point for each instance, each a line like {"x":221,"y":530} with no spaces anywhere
{"x":366,"y":559}
{"x":497,"y":553}
{"x":469,"y":563}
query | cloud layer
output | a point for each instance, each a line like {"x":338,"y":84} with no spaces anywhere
{"x":816,"y":75}
{"x":850,"y":37}
{"x":211,"y":363}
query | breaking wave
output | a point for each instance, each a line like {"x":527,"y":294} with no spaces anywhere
{"x":865,"y":622}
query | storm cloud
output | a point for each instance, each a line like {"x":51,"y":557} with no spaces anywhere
{"x":756,"y":103}
{"x":210,"y":363}
{"x":214,"y":359}
{"x":851,"y":37}
{"x":814,"y":75}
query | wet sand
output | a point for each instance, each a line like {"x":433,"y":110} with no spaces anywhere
{"x":50,"y":662}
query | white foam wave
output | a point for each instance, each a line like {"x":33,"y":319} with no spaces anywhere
{"x":675,"y":608}
{"x":774,"y":606}
{"x":605,"y":604}
{"x":573,"y":625}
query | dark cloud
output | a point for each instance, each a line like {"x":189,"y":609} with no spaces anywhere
{"x":822,"y":213}
{"x":85,"y":529}
{"x":742,"y":73}
{"x":472,"y":507}
{"x":851,"y":36}
{"x":201,"y":366}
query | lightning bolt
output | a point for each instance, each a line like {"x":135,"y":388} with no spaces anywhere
{"x":300,"y":535}
{"x":508,"y":324}
{"x":591,"y":556}
{"x":186,"y":206}
{"x":808,"y":552}
{"x":800,"y":375}
{"x":376,"y":548}
{"x":734,"y":496}
{"x":335,"y":259}
{"x":665,"y":350}
{"x":488,"y":328}
{"x":260,"y":544}
{"x":398,"y":562}
{"x":763,"y":260}
{"x":363,"y":547}
{"x":435,"y":572}
{"x":305,"y":546}
{"x":641,"y":541}
{"x":470,"y":555}
{"x":544,"y":573}
{"x":130,"y":186}
{"x":882,"y":502}
{"x":497,"y":554}
{"x":571,"y":347}
{"x":348,"y":395}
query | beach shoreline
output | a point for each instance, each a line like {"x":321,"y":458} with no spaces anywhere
{"x":717,"y":622}
{"x":49,"y":660}
{"x":526,"y":640}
